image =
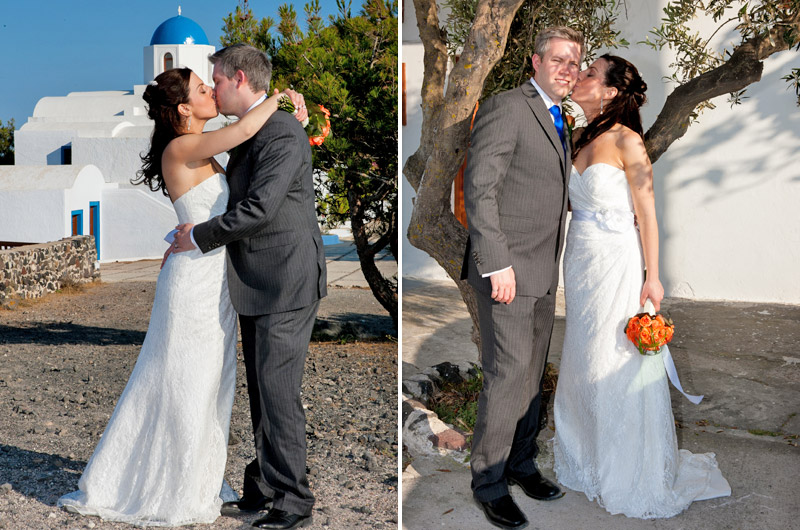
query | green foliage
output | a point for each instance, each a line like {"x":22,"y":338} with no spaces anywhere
{"x":7,"y":143}
{"x":794,"y":82}
{"x":457,"y":403}
{"x":349,"y":66}
{"x":242,"y":26}
{"x":595,"y":18}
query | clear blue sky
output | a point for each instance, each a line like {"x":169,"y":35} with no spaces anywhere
{"x":53,"y":47}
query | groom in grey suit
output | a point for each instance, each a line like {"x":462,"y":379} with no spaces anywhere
{"x":276,"y":277}
{"x":515,"y":190}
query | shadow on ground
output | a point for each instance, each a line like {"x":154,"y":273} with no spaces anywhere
{"x":57,"y":333}
{"x":27,"y":471}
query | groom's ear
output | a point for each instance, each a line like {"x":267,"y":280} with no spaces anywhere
{"x":240,"y":78}
{"x":536,"y":61}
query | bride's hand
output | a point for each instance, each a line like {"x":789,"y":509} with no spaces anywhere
{"x":653,"y":290}
{"x":299,"y":103}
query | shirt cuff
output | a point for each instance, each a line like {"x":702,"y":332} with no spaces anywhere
{"x":489,"y":273}
{"x":191,"y":236}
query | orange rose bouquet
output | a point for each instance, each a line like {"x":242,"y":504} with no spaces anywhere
{"x":318,"y":123}
{"x":649,"y":333}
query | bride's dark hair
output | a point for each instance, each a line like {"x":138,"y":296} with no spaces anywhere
{"x":623,"y":108}
{"x":163,"y":96}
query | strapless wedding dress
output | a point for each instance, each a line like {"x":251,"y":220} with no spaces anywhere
{"x":161,"y":459}
{"x":615,"y":434}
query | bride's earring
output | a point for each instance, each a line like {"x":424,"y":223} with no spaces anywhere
{"x":189,"y":123}
{"x":601,"y":104}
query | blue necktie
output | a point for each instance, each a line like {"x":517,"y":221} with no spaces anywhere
{"x":559,"y":123}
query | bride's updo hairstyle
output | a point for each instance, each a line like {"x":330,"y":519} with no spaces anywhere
{"x":622,"y":108}
{"x":163,"y":96}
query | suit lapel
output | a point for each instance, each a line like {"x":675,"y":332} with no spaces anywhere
{"x":544,"y":118}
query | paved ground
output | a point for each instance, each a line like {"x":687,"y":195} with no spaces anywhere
{"x":344,"y":269}
{"x":745,"y":358}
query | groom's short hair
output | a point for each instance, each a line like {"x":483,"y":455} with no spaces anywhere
{"x":253,"y":62}
{"x":542,"y":42}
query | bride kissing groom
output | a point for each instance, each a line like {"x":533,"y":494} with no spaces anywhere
{"x":249,"y":241}
{"x":615,"y":434}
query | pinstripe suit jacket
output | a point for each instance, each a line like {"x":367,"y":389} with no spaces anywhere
{"x":515,"y":193}
{"x":275,"y":258}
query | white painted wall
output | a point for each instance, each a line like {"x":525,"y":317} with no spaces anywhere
{"x":117,"y":158}
{"x":134,"y":223}
{"x":17,"y":207}
{"x":36,"y":202}
{"x":726,"y":193}
{"x":194,"y":56}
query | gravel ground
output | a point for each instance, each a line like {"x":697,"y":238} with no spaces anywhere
{"x":65,"y":359}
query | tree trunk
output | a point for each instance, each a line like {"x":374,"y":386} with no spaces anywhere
{"x":384,"y":290}
{"x":445,"y":130}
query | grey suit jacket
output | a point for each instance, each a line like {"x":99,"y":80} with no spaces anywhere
{"x":276,"y":262}
{"x":515,"y":193}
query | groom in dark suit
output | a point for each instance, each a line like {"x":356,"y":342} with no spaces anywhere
{"x":515,"y":190}
{"x":276,"y":277}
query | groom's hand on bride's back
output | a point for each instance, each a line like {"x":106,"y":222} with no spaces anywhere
{"x":504,"y":286}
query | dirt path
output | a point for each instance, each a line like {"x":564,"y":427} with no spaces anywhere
{"x":64,"y":361}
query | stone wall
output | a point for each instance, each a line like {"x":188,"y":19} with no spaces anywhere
{"x":32,"y":271}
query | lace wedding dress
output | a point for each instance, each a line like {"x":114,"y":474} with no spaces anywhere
{"x":615,"y":435}
{"x":161,"y":459}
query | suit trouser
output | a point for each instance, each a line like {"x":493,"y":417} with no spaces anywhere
{"x":275,"y":348}
{"x":515,"y":339}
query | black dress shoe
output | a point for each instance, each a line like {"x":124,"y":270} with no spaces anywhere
{"x":504,"y":513}
{"x":280,"y":520}
{"x":245,"y":506}
{"x":537,"y":487}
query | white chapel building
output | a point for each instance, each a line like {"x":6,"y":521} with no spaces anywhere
{"x":75,"y":158}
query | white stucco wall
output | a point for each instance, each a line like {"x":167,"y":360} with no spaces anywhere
{"x":117,"y":158}
{"x":36,"y":202}
{"x":726,"y":193}
{"x":17,"y":207}
{"x":135,"y":222}
{"x":42,"y":148}
{"x":193,"y":56}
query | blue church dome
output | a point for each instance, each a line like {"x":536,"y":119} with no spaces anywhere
{"x":179,"y":30}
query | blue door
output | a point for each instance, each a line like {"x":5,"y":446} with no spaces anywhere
{"x":94,"y":224}
{"x":77,"y":222}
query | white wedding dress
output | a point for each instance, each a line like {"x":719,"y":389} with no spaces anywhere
{"x":615,"y":435}
{"x":161,"y":459}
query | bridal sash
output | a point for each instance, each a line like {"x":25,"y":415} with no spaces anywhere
{"x":610,"y":220}
{"x":672,"y":373}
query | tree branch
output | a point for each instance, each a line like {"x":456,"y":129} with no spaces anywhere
{"x":435,"y":69}
{"x":743,"y":68}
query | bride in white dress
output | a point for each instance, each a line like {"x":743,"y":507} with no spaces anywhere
{"x":615,"y":435}
{"x":161,"y":459}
